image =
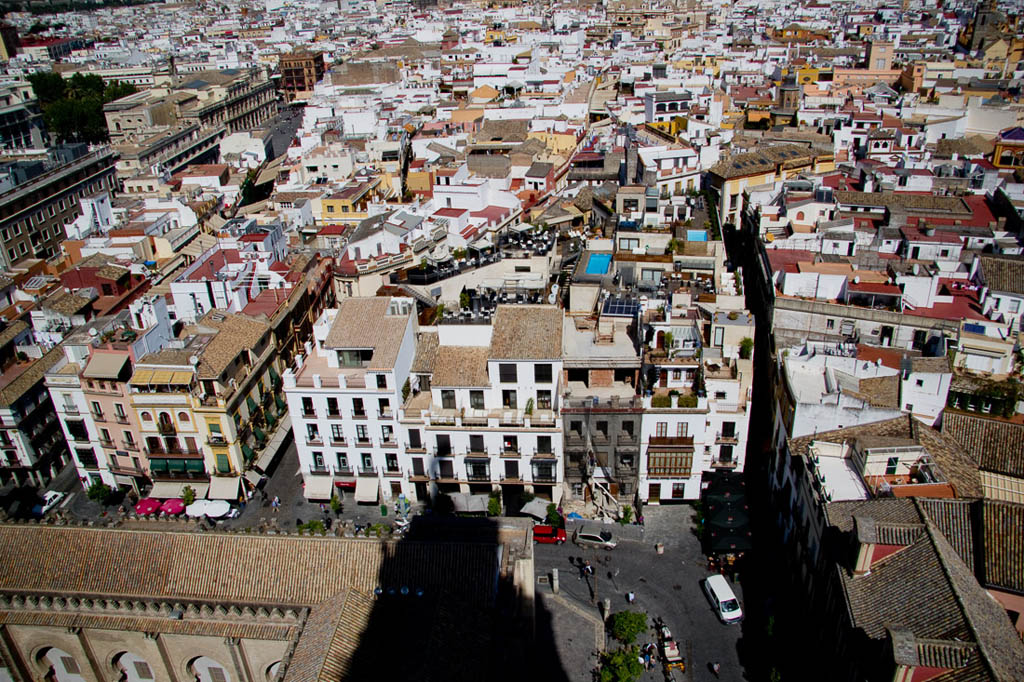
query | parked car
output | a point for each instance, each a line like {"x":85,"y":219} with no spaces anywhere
{"x":548,"y":535}
{"x":722,"y":599}
{"x":601,"y":539}
{"x":50,"y":500}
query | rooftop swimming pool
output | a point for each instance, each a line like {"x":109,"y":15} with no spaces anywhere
{"x":598,"y":263}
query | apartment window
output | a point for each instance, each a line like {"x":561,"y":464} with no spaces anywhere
{"x":318,"y":459}
{"x":338,"y":433}
{"x":510,"y":444}
{"x":683,"y":429}
{"x":382,"y":381}
{"x":920,"y":383}
{"x":890,"y":465}
{"x":909,"y":407}
{"x":507,"y":373}
{"x":444,"y":445}
{"x":367,"y":461}
{"x":725,"y":453}
{"x":508,"y":399}
{"x":476,"y":400}
{"x":626,"y":461}
{"x":661,"y":429}
{"x":119,"y":410}
{"x":543,"y":400}
{"x":387,"y":433}
{"x":357,"y":408}
{"x":332,"y":407}
{"x":542,"y":374}
{"x":602,"y":428}
{"x":476,"y":443}
{"x":129,"y":439}
{"x":361,"y":434}
{"x":342,"y":460}
{"x":629,"y":244}
{"x":312,"y":432}
{"x":105,"y":435}
{"x":719,"y":395}
{"x":307,"y":406}
{"x":448,"y":399}
{"x":576,"y":427}
{"x":96,"y":409}
{"x":414,"y":439}
{"x":543,"y":445}
{"x":627,"y":427}
{"x":677,"y":375}
{"x":830,"y":324}
{"x":384,"y":405}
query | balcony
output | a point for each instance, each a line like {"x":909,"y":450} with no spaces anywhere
{"x":314,"y":439}
{"x":544,"y":476}
{"x":98,"y":416}
{"x":625,"y":438}
{"x":338,"y":442}
{"x":217,"y":441}
{"x":318,"y":469}
{"x":389,"y":443}
{"x":107,"y":443}
{"x":361,"y":414}
{"x":363,"y":441}
{"x":484,"y":477}
{"x":126,"y":470}
{"x":385,"y":414}
{"x":172,"y":452}
{"x":331,"y":414}
{"x":309,"y":413}
{"x":510,"y":452}
{"x":420,"y":477}
{"x":166,"y":429}
{"x":723,"y":464}
{"x":600,"y":438}
{"x":130,"y":445}
{"x":729,"y":439}
{"x":672,"y":441}
{"x":365,"y":471}
{"x":121,"y":418}
{"x":392,"y":471}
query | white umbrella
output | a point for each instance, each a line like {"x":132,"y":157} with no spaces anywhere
{"x":537,"y":508}
{"x":196,"y":509}
{"x":217,"y":508}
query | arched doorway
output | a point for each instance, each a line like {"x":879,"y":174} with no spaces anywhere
{"x":59,"y":666}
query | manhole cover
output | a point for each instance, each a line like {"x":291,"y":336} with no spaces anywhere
{"x":543,"y":580}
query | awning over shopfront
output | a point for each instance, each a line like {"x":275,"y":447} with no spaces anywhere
{"x":281,"y":404}
{"x":322,"y":487}
{"x":223,"y":488}
{"x":248,"y":452}
{"x":165,"y":490}
{"x":367,"y":489}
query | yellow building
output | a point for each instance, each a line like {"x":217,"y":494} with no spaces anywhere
{"x":348,"y":205}
{"x":205,"y":409}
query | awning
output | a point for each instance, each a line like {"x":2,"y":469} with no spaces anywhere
{"x":367,"y":489}
{"x":165,"y":490}
{"x":141,"y":377}
{"x":181,"y":378}
{"x":271,"y":420}
{"x":281,"y":404}
{"x":473,"y":504}
{"x":537,"y":508}
{"x":223,"y":488}
{"x":258,"y":432}
{"x":105,"y":366}
{"x":251,"y":404}
{"x":162,"y":376}
{"x":322,"y":487}
{"x":253,"y":477}
{"x":247,"y":452}
{"x":274,"y":376}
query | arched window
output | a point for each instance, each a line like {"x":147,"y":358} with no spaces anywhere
{"x":799,"y":215}
{"x":183,"y":417}
{"x":205,"y":669}
{"x":132,"y":668}
{"x":147,"y":417}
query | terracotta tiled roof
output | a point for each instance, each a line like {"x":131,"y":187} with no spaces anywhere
{"x":1004,"y":545}
{"x":1003,"y":273}
{"x":239,"y":569}
{"x":526,"y":332}
{"x":461,"y":366}
{"x":426,"y":353}
{"x":33,"y":375}
{"x":235,"y":333}
{"x":364,"y":323}
{"x":996,"y":445}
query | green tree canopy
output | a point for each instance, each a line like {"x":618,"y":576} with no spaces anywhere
{"x":49,"y":87}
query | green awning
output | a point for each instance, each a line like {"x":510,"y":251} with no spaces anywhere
{"x":260,"y":436}
{"x":251,"y":404}
{"x":271,"y":420}
{"x":248,"y":452}
{"x":281,"y":404}
{"x":195,"y":466}
{"x":274,"y":377}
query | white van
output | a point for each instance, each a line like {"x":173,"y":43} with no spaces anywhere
{"x":722,"y":599}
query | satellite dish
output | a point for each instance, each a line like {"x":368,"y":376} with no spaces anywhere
{"x":552,"y":298}
{"x":554,"y":288}
{"x":93,"y":332}
{"x":193,"y":360}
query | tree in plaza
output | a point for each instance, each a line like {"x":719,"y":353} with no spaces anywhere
{"x":626,"y":625}
{"x":621,"y":665}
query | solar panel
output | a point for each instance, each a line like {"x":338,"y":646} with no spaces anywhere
{"x":620,"y":307}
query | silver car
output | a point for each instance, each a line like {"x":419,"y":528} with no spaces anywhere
{"x":600,"y":539}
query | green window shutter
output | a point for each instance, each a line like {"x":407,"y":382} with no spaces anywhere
{"x":223,"y":465}
{"x":195,"y":466}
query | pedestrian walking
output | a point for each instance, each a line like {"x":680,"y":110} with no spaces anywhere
{"x":716,"y":668}
{"x":587,"y":568}
{"x":630,"y":597}
{"x":276,"y":503}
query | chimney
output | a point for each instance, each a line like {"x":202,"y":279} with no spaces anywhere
{"x":867,"y":536}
